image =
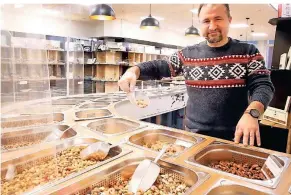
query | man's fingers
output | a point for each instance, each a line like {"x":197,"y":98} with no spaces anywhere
{"x":258,"y":136}
{"x":132,"y":83}
{"x":237,"y":135}
{"x":252,"y":138}
{"x":124,"y":85}
{"x":246,"y":138}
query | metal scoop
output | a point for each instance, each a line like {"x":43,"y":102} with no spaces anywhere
{"x":98,"y":150}
{"x":11,"y":172}
{"x":146,"y":174}
{"x":272,"y":167}
{"x":56,"y":134}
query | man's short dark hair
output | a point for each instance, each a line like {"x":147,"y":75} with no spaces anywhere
{"x":226,"y":6}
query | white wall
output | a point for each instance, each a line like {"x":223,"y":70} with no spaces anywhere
{"x":262,"y":47}
{"x":48,"y":25}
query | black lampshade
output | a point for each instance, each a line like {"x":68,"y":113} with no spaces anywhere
{"x":149,"y":22}
{"x":102,"y":12}
{"x":191,"y":31}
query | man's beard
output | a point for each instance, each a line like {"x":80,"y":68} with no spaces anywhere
{"x":214,"y":39}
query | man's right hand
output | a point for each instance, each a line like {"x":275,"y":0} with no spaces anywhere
{"x":128,"y":80}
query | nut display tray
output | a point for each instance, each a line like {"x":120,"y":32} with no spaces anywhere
{"x":92,"y":114}
{"x":150,"y":137}
{"x":113,"y":126}
{"x":94,"y":105}
{"x":219,"y":151}
{"x":23,"y":138}
{"x":67,"y":101}
{"x":52,"y":163}
{"x":226,"y":187}
{"x":31,"y":120}
{"x":125,"y":169}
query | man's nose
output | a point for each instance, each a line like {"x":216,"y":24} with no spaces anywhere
{"x":212,"y":25}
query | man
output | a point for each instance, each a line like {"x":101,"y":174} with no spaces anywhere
{"x":227,"y":82}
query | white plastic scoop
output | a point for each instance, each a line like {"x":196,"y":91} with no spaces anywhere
{"x":146,"y":174}
{"x":98,"y":150}
{"x":139,"y":98}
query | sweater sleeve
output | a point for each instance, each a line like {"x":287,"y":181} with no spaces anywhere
{"x":258,"y":79}
{"x":157,"y":69}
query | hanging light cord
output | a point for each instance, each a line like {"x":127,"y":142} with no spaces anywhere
{"x":150,"y":10}
{"x":192,"y":14}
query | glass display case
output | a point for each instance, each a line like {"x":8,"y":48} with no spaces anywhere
{"x":24,"y":83}
{"x":75,"y":72}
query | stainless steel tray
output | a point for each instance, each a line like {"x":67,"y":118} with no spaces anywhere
{"x":92,"y":114}
{"x":67,"y":101}
{"x":81,"y":98}
{"x":61,"y":108}
{"x":125,"y":169}
{"x":113,"y":126}
{"x":152,"y":136}
{"x":24,"y":138}
{"x":227,"y":187}
{"x":27,"y":161}
{"x":30,"y":120}
{"x":94,"y":105}
{"x":113,"y":100}
{"x":217,"y":151}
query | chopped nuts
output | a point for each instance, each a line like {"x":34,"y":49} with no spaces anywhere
{"x":141,"y":103}
{"x":176,"y":186}
{"x":66,"y":162}
{"x":158,"y":145}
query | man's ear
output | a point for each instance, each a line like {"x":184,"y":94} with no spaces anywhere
{"x":229,"y":19}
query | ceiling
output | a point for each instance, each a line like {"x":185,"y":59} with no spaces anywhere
{"x":177,"y":17}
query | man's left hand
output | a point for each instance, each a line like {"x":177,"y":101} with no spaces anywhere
{"x":248,"y":127}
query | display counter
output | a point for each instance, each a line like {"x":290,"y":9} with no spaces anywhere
{"x":185,"y":167}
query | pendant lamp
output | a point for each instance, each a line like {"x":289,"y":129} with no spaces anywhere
{"x":150,"y":22}
{"x":102,"y":12}
{"x":192,"y":31}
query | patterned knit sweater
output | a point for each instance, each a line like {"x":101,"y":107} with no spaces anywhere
{"x":221,"y":82}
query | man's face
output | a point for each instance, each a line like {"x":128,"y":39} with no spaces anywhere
{"x":214,"y":22}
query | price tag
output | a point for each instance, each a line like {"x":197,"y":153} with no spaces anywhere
{"x":80,"y":82}
{"x":22,"y":82}
{"x":274,"y":165}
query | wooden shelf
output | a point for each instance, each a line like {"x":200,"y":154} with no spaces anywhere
{"x":60,"y":63}
{"x":100,"y":80}
{"x":38,"y":48}
{"x":58,"y":79}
